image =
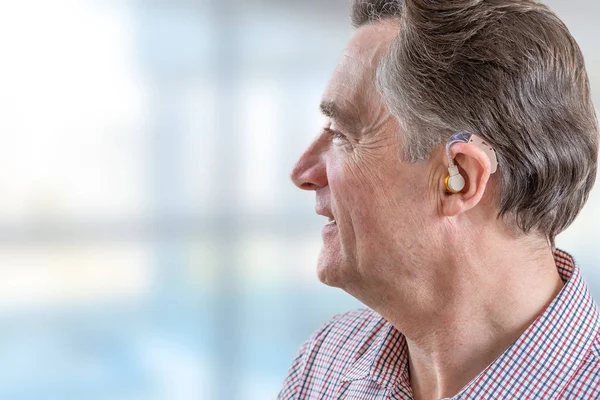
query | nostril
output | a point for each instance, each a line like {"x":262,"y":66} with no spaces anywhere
{"x":308,"y":186}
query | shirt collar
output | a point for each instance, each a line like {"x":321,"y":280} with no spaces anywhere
{"x":385,"y":361}
{"x":542,"y":359}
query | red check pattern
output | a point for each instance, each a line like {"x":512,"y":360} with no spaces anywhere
{"x":359,"y":355}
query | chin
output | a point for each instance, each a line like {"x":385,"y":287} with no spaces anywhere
{"x":332,"y":271}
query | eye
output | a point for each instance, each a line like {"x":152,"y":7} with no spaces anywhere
{"x":335,"y":135}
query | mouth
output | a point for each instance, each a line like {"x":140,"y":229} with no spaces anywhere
{"x":331,"y":222}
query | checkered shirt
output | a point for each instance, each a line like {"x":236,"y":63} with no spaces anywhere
{"x":359,"y":355}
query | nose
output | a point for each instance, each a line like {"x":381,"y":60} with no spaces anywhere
{"x":309,"y":172}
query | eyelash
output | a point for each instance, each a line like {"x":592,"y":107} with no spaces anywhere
{"x":335,"y":134}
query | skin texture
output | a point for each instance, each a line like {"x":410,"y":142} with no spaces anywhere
{"x":454,"y":279}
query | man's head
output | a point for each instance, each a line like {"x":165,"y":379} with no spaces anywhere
{"x":412,"y":75}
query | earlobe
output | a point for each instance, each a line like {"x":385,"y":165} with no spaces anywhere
{"x":451,"y":205}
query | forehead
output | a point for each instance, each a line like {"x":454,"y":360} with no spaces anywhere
{"x":352,"y":89}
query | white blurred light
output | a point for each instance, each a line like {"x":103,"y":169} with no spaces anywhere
{"x":72,"y":105}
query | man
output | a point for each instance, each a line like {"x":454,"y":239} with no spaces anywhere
{"x":467,"y":297}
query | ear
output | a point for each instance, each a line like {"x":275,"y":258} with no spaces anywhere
{"x":474,"y":165}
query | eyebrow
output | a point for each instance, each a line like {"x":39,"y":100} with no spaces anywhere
{"x":332,"y":110}
{"x":328,"y":108}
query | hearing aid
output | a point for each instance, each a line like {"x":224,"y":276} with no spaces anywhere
{"x":454,"y":181}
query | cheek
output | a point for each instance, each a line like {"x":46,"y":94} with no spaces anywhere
{"x":371,"y":182}
{"x":363,"y":194}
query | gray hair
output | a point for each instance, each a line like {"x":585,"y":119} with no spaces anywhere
{"x":509,"y":71}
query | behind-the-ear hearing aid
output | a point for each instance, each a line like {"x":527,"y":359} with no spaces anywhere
{"x":455,"y":182}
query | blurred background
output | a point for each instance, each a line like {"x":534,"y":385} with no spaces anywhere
{"x":151,"y":243}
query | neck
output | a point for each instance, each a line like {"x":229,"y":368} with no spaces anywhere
{"x":468,"y":309}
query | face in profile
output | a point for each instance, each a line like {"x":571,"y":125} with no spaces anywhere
{"x":375,"y":201}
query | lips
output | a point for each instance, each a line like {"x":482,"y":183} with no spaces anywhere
{"x":326,"y":213}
